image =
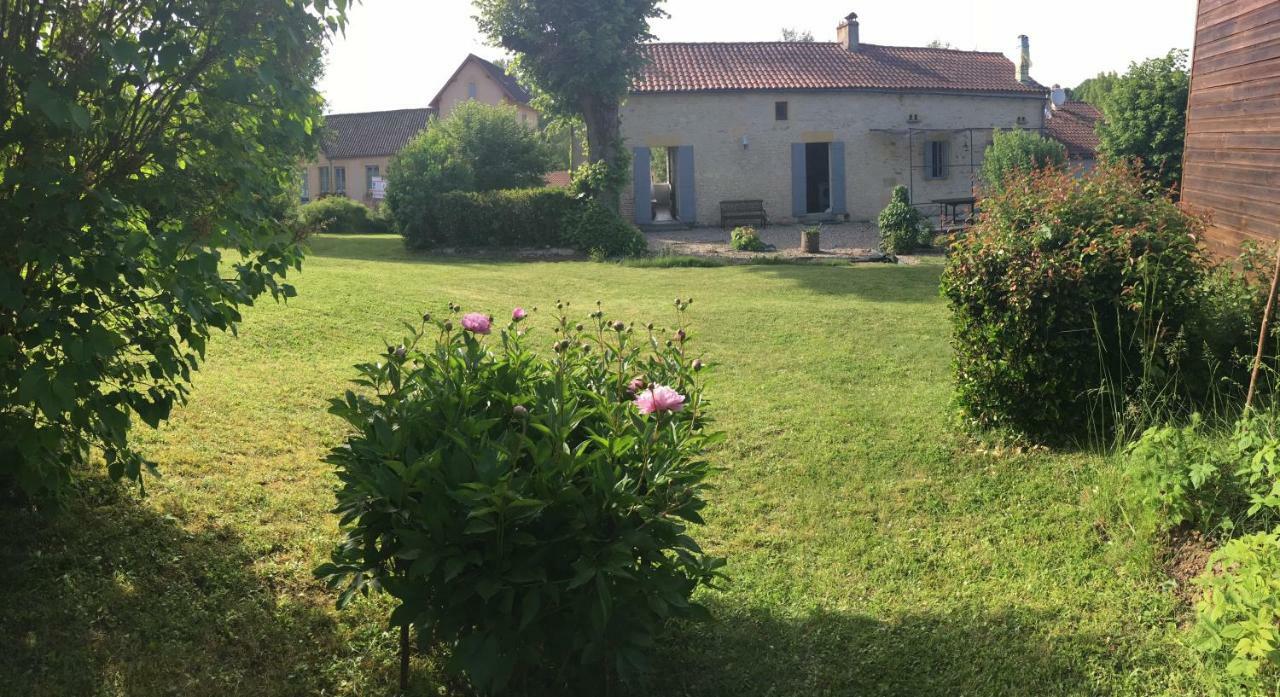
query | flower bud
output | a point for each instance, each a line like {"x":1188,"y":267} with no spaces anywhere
{"x":519,"y":411}
{"x":401,"y":352}
{"x":426,"y":317}
{"x":448,"y":326}
{"x":697,"y":364}
{"x":578,"y":326}
{"x":680,"y":335}
{"x":618,"y":326}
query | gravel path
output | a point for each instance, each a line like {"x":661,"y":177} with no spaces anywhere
{"x":845,"y":239}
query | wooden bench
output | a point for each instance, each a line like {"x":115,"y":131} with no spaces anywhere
{"x":748,"y":212}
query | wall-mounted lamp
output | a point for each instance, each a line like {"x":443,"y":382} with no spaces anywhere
{"x":744,"y":143}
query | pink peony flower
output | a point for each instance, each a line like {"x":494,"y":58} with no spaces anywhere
{"x":476,"y":323}
{"x":518,"y":314}
{"x":659,"y":398}
{"x":635,"y":385}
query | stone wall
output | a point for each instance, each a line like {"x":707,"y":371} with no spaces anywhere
{"x":724,"y":169}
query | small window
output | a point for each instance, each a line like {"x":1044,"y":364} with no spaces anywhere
{"x":936,"y":155}
{"x":370,"y":173}
{"x":913,"y":118}
{"x":340,"y":180}
{"x":471,"y":90}
{"x":324,"y":180}
{"x":780,"y":111}
{"x":305,"y":186}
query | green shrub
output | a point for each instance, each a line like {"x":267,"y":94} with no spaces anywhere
{"x":746,"y":239}
{"x":600,"y":232}
{"x":598,"y":180}
{"x":519,"y":218}
{"x":479,"y":147}
{"x":341,"y":215}
{"x":147,"y":152}
{"x":1239,"y":610}
{"x":902,"y":227}
{"x":1019,"y":153}
{"x":530,"y":519}
{"x":1076,"y":302}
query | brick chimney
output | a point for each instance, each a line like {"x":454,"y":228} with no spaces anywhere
{"x":847,"y":32}
{"x":1024,"y":58}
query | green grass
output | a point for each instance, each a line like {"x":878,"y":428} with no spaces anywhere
{"x":872,"y":551}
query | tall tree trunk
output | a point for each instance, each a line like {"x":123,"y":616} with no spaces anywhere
{"x":604,"y":138}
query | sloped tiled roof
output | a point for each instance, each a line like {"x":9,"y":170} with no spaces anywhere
{"x":372,"y":133}
{"x":777,"y":66}
{"x":507,"y":82}
{"x":1073,"y":124}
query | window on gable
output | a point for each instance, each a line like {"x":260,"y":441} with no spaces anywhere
{"x":780,"y":111}
{"x":936,"y":154}
{"x":471,"y":90}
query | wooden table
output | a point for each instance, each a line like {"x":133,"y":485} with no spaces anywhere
{"x":951,"y":216}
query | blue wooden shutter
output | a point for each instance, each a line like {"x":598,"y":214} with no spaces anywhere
{"x":688,"y":205}
{"x":837,"y":179}
{"x":642,"y":186}
{"x":799,"y":202}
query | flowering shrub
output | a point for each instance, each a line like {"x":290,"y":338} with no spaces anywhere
{"x":1068,"y":289}
{"x":529,"y":512}
{"x":746,"y":239}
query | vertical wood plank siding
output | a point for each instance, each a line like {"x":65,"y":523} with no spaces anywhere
{"x":1231,"y":166}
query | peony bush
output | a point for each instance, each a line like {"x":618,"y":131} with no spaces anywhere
{"x":530,"y":511}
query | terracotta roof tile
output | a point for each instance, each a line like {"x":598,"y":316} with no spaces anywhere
{"x":560,"y":179}
{"x":710,"y":67}
{"x":373,"y":133}
{"x":1073,"y":125}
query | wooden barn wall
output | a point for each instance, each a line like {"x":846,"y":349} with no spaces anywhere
{"x":1231,"y":167}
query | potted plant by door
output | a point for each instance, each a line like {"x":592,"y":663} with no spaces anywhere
{"x":810,"y":239}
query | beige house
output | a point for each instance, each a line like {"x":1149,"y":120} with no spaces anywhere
{"x":357,"y":148}
{"x":485,"y":82}
{"x":817,"y":131}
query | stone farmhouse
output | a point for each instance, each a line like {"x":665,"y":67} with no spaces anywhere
{"x":817,"y":131}
{"x":356,"y":148}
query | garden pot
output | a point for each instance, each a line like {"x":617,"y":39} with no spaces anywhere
{"x":809,"y":240}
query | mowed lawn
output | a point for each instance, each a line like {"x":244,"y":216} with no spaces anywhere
{"x":872,"y":550}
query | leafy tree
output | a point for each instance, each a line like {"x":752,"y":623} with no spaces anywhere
{"x":1020,"y":152}
{"x":140,"y":140}
{"x":479,"y":147}
{"x":1094,"y":90}
{"x":1145,"y":116}
{"x":939,"y":43}
{"x":581,"y":55}
{"x":797,"y":35}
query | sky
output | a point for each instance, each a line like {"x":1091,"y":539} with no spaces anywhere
{"x":398,"y":53}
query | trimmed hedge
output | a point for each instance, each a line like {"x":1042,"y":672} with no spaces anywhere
{"x":341,"y":215}
{"x":523,"y":218}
